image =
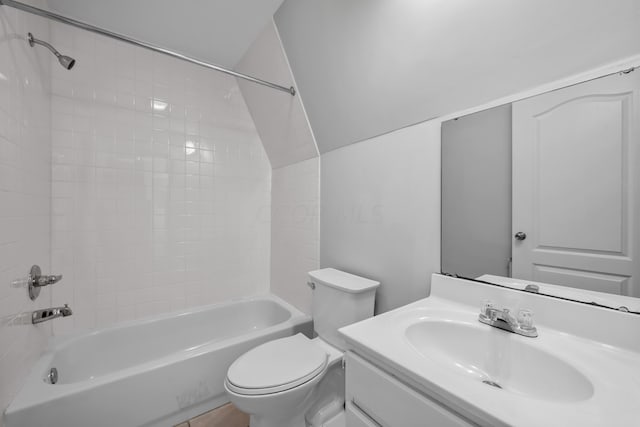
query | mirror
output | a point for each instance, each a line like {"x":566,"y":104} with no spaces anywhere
{"x":546,"y":191}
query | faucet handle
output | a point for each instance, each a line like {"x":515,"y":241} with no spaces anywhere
{"x":47,"y":280}
{"x":37,"y":280}
{"x":525,"y":319}
{"x":487,"y":309}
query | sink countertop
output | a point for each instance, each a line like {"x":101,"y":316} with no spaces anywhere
{"x":603,"y":345}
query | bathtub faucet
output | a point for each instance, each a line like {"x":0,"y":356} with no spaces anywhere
{"x":43,"y":315}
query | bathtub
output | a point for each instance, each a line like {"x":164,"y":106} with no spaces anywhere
{"x":154,"y":372}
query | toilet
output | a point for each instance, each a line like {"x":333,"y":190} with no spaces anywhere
{"x":297,"y":381}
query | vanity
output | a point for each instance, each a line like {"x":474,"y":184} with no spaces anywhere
{"x":433,"y":363}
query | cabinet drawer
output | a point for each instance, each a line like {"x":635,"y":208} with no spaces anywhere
{"x":391,"y":403}
{"x":357,"y":418}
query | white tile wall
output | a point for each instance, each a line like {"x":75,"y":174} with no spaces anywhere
{"x":295,"y":240}
{"x":161,"y":186}
{"x":25,"y":194}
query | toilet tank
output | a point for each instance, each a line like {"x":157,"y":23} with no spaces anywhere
{"x":339,"y":299}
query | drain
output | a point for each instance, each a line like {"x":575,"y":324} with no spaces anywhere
{"x":52,"y":376}
{"x":491,"y":383}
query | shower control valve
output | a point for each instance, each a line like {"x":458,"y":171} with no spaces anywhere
{"x":36,"y":281}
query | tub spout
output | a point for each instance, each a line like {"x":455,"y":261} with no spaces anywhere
{"x":40,"y":316}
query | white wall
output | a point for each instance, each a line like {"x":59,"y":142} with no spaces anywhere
{"x":295,"y":231}
{"x":380,"y":212}
{"x":25,"y":194}
{"x":366,"y":67}
{"x":287,"y":138}
{"x":153,"y":210}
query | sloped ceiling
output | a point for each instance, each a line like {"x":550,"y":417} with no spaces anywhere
{"x":279,"y":117}
{"x":367,"y":67}
{"x":216,"y":31}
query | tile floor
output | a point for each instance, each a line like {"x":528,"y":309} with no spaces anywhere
{"x":224,"y":416}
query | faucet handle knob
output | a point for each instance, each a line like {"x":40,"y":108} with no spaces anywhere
{"x":525,"y":319}
{"x":48,"y":280}
{"x":487,"y":307}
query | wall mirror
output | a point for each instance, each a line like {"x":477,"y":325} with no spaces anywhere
{"x":547,"y":189}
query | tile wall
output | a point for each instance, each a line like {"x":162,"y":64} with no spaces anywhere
{"x":161,"y":186}
{"x":25,"y":193}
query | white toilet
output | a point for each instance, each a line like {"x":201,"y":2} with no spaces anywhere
{"x":297,"y":381}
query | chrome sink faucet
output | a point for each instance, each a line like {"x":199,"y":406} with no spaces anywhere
{"x":43,"y":315}
{"x":503,"y":319}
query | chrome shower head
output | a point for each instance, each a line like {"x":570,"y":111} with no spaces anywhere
{"x":66,"y":61}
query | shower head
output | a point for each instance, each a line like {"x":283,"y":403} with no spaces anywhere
{"x":66,"y":61}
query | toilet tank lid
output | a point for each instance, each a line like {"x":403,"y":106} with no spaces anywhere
{"x":344,"y":281}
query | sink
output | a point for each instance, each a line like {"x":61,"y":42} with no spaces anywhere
{"x":498,"y":359}
{"x":581,"y":370}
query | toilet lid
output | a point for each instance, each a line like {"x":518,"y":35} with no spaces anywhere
{"x":276,"y":366}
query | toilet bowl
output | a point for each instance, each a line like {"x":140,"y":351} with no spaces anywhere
{"x":276,"y":382}
{"x":297,"y":381}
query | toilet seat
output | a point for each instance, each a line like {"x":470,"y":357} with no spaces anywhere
{"x":277,"y":366}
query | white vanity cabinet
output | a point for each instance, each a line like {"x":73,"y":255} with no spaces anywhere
{"x":375,"y":398}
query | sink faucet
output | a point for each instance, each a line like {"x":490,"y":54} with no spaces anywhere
{"x":43,"y":315}
{"x":503,"y":319}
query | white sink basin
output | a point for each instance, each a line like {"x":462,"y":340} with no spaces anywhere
{"x":583,"y":369}
{"x":500,"y":359}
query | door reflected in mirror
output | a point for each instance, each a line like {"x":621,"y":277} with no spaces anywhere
{"x":547,"y":189}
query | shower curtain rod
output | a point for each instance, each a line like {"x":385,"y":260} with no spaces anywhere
{"x":45,"y":13}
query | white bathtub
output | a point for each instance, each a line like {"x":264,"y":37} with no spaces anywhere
{"x":155,"y":372}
